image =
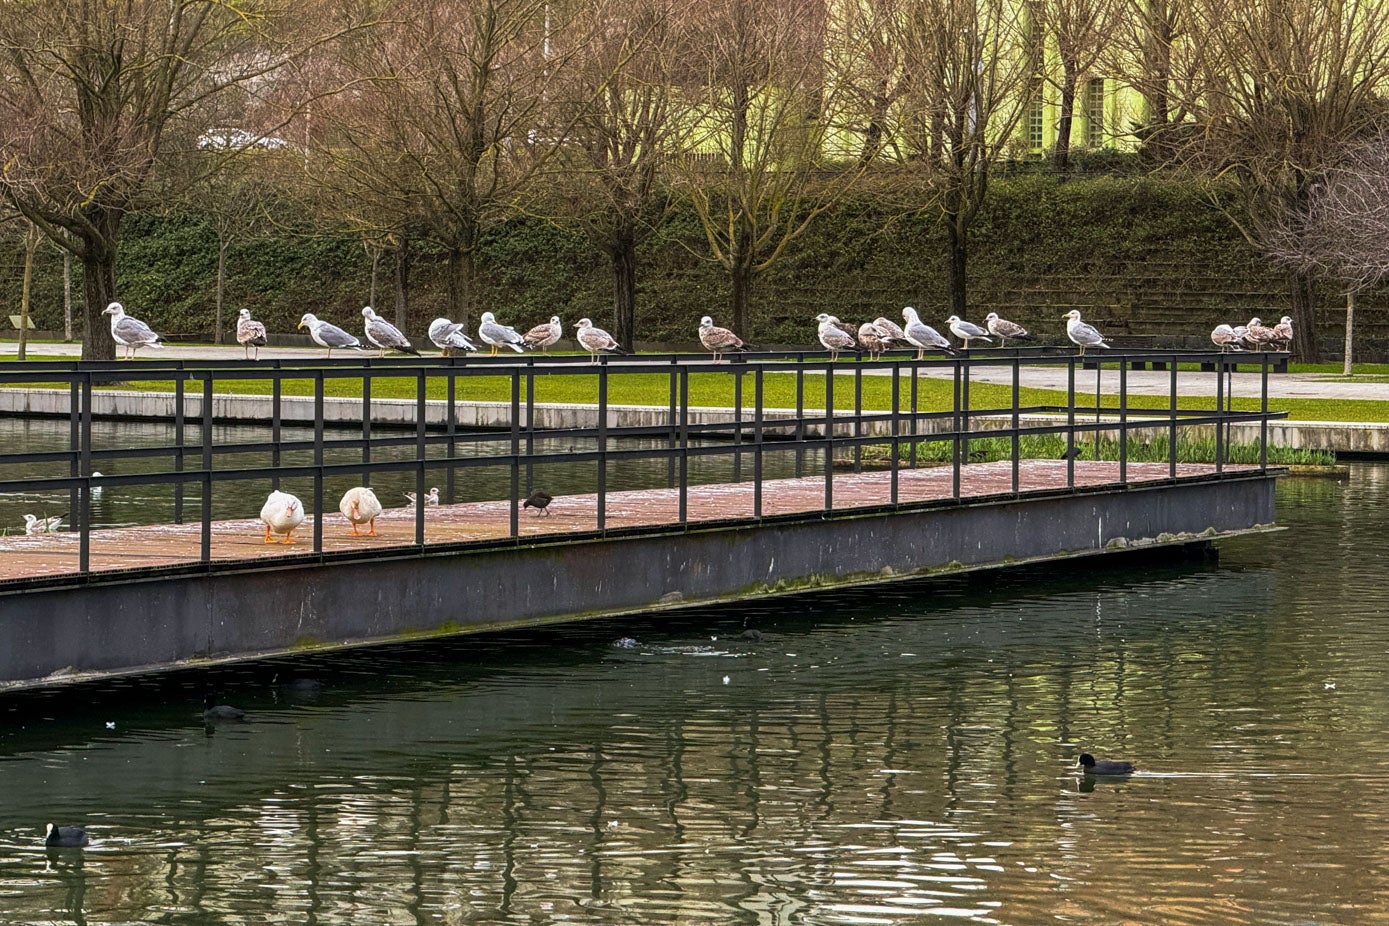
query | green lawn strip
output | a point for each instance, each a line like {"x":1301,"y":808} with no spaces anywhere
{"x":1153,"y":448}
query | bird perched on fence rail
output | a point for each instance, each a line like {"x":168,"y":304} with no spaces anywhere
{"x":1260,"y":334}
{"x":718,"y":341}
{"x":922,"y":336}
{"x":1224,"y":337}
{"x":833,"y":335}
{"x":873,"y":339}
{"x":448,"y":336}
{"x":595,"y":340}
{"x":540,"y":501}
{"x":1081,"y":334}
{"x":282,"y":513}
{"x":129,"y":332}
{"x":891,"y":331}
{"x":361,"y":506}
{"x":1284,"y":330}
{"x":249,"y":333}
{"x":1003,"y":329}
{"x":328,"y":335}
{"x":544,"y":335}
{"x":967,"y":331}
{"x":498,"y":335}
{"x":385,"y":335}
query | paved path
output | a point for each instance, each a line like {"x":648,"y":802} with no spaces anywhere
{"x":1140,"y":382}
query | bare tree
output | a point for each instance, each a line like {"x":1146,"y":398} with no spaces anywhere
{"x":94,"y":98}
{"x":1342,"y":233}
{"x":866,"y":62}
{"x":1286,"y":85}
{"x":972,"y":62}
{"x":1081,"y":31}
{"x":1153,"y":49}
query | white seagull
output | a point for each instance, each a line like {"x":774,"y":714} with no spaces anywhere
{"x":1224,"y":337}
{"x":1081,"y":334}
{"x":594,"y":339}
{"x":249,"y":333}
{"x":448,"y":336}
{"x":360,"y":506}
{"x":1005,"y":329}
{"x":329,"y":336}
{"x":544,"y":335}
{"x":282,"y":513}
{"x":833,"y":335}
{"x":430,"y":498}
{"x":130,"y":332}
{"x":385,"y":335}
{"x":718,"y":340}
{"x":33,"y":525}
{"x":1284,"y":330}
{"x":967,"y":331}
{"x":922,"y":336}
{"x":498,"y":335}
{"x":1260,"y":334}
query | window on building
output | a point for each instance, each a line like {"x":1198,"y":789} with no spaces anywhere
{"x":1035,"y":121}
{"x":1094,"y":112}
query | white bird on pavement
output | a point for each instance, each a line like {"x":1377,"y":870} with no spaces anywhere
{"x":498,"y":335}
{"x":718,"y":340}
{"x":249,"y":333}
{"x":130,"y":332}
{"x":448,"y":336}
{"x":1081,"y":334}
{"x":967,"y":331}
{"x":328,"y":335}
{"x":282,"y":513}
{"x":544,"y":335}
{"x":833,"y":335}
{"x":594,"y":339}
{"x":922,"y":336}
{"x":360,"y":506}
{"x":33,"y":525}
{"x":385,"y":335}
{"x":430,"y":498}
{"x":1005,"y":329}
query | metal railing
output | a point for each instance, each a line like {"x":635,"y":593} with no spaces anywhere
{"x":823,"y":414}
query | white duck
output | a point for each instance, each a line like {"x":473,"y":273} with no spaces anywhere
{"x":282,"y":513}
{"x":360,"y":506}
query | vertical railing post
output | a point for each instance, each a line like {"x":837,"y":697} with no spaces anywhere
{"x":530,"y":425}
{"x":84,"y":541}
{"x":1017,"y":422}
{"x":603,"y":447}
{"x":673,"y":422}
{"x":956,"y":427}
{"x":829,"y":436}
{"x":1219,"y":412}
{"x":684,"y":444}
{"x":276,"y":402}
{"x":366,"y":426}
{"x":1172,"y":423}
{"x":205,"y":480}
{"x":858,"y":415}
{"x":421,"y":451}
{"x":1263,"y":413}
{"x":800,"y":418}
{"x":178,"y":445}
{"x":916,"y":435}
{"x":318,"y":461}
{"x":1070,"y":422}
{"x":451,"y":429}
{"x":515,"y":469}
{"x":1123,"y":423}
{"x":757,"y":398}
{"x":894,"y":486}
{"x":737,"y":424}
{"x":80,"y":511}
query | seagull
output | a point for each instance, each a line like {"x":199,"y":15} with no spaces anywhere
{"x":966,"y":331}
{"x":360,"y":506}
{"x":329,"y":336}
{"x":1260,"y":334}
{"x":1242,"y":336}
{"x":1105,"y":767}
{"x":214,"y":711}
{"x":65,"y":837}
{"x":833,"y":335}
{"x":250,"y":333}
{"x":1005,"y":329}
{"x":282,"y":513}
{"x":431,"y":497}
{"x":718,"y":340}
{"x":33,"y":525}
{"x":871,"y":337}
{"x":448,"y":336}
{"x":542,"y":336}
{"x":1284,"y":330}
{"x":540,"y":501}
{"x":385,"y":335}
{"x":594,"y":339}
{"x":1082,"y":334}
{"x":891,"y":331}
{"x":1224,"y":337}
{"x":922,"y":336}
{"x":499,"y":335}
{"x":130,"y":332}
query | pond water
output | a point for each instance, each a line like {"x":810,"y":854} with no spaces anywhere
{"x":901,"y":755}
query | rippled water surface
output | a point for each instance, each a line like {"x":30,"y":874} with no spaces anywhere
{"x":894,"y":756}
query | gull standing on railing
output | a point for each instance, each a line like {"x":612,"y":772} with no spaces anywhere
{"x":1284,"y":330}
{"x":1260,"y":334}
{"x":1081,"y":334}
{"x":922,"y":336}
{"x":718,"y":340}
{"x":448,"y":336}
{"x":385,"y":335}
{"x":327,"y":335}
{"x":1005,"y":329}
{"x":872,"y":338}
{"x":498,"y":335}
{"x":130,"y":332}
{"x":833,"y":335}
{"x":544,"y":335}
{"x":891,"y":331}
{"x":1224,"y":337}
{"x":249,"y":333}
{"x":967,"y":331}
{"x":594,"y":339}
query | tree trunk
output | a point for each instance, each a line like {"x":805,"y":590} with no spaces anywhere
{"x":375,"y":265}
{"x":958,"y":258}
{"x":461,"y":269}
{"x":221,"y":287}
{"x":99,"y":281}
{"x":31,"y":244}
{"x":741,"y":278}
{"x":1350,"y":334}
{"x":1061,"y":154}
{"x":402,"y":282}
{"x":1304,"y":299}
{"x":67,"y":295}
{"x":623,"y":254}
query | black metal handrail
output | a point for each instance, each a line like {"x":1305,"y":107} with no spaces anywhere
{"x":674,"y":436}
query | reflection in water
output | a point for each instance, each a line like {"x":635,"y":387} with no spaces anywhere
{"x":897,"y":755}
